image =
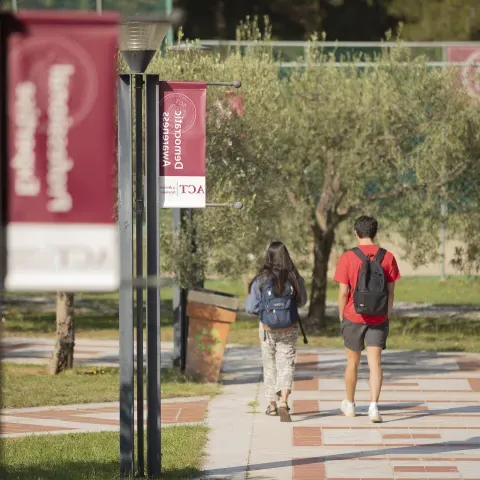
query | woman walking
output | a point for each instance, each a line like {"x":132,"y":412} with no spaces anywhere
{"x":275,"y":295}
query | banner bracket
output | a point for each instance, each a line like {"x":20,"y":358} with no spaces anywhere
{"x":235,"y":84}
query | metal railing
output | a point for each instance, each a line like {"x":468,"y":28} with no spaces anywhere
{"x":290,"y":54}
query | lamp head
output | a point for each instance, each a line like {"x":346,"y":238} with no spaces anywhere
{"x":142,"y":35}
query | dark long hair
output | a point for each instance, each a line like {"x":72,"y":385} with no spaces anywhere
{"x":279,"y":267}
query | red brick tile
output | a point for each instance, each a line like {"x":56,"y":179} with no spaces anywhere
{"x":474,"y":384}
{"x":398,"y":384}
{"x":306,"y":469}
{"x":12,"y":427}
{"x":468,"y":365}
{"x":303,"y":385}
{"x":417,"y":408}
{"x":307,"y":431}
{"x":17,"y":346}
{"x":307,"y":437}
{"x":307,"y":361}
{"x":303,"y":407}
{"x":441,"y":469}
{"x":413,"y":436}
{"x":408,"y":469}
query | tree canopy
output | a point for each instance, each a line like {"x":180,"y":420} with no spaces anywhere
{"x":347,"y":20}
{"x":309,"y":151}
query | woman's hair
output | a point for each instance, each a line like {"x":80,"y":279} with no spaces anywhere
{"x":278,"y":267}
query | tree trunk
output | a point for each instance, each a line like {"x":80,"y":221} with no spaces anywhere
{"x":323,"y":242}
{"x":63,"y":355}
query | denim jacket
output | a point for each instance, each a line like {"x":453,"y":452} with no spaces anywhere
{"x":254,"y":298}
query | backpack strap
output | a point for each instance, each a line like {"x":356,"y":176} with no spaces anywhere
{"x":380,"y":255}
{"x":360,"y":254}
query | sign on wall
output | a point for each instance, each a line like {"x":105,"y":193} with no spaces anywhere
{"x":61,"y":232}
{"x":182,"y":149}
{"x":470,"y":73}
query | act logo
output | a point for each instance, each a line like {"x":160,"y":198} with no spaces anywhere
{"x":192,"y":189}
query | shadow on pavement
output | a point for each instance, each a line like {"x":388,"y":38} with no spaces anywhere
{"x":427,"y":449}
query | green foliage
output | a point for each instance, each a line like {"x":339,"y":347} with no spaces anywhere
{"x":393,"y":139}
{"x":438,"y":20}
{"x":243,"y":163}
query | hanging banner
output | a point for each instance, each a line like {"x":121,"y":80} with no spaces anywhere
{"x":470,"y":73}
{"x":8,"y":25}
{"x":182,"y":152}
{"x":61,"y":232}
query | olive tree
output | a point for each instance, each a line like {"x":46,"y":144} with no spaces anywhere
{"x":384,"y":139}
{"x":244,"y":138}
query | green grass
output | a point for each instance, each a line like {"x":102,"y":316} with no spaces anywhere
{"x":95,"y":456}
{"x":427,"y":334}
{"x":31,"y":386}
{"x":97,"y":315}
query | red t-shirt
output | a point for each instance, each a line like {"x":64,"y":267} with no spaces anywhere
{"x":348,"y":268}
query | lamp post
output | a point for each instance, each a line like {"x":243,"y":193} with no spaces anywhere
{"x":140,"y":38}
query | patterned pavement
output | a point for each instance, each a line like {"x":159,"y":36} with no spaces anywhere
{"x":431,"y":409}
{"x":87,"y":352}
{"x":430,"y":405}
{"x":92,"y":417}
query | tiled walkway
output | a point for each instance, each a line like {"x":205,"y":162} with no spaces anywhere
{"x":430,"y":405}
{"x":87,"y":352}
{"x":92,"y":417}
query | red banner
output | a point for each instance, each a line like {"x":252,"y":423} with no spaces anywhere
{"x":62,"y":74}
{"x":469,"y":74}
{"x":182,"y":121}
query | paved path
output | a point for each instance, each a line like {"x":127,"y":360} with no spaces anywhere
{"x":87,"y":352}
{"x":431,"y":430}
{"x":94,"y":417}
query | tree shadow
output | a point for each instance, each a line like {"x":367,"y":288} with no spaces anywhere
{"x":410,"y":364}
{"x":310,"y":415}
{"x":91,"y":314}
{"x":427,"y":449}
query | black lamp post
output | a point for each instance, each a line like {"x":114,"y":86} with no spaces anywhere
{"x":140,"y":39}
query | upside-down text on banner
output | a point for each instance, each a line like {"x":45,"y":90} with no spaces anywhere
{"x":182,"y":121}
{"x":61,"y":232}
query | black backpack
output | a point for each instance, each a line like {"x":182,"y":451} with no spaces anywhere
{"x":371,"y":293}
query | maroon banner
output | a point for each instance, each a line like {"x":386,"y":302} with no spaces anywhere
{"x":182,"y":120}
{"x":469,"y":73}
{"x":62,"y":76}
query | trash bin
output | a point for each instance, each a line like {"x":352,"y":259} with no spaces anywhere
{"x":210,"y":316}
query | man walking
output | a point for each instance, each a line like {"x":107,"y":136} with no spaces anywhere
{"x":366,"y":276}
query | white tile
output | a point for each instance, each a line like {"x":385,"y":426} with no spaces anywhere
{"x":365,"y":468}
{"x":469,"y":470}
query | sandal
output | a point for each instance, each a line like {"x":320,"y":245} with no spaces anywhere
{"x":271,"y":412}
{"x":284,"y":412}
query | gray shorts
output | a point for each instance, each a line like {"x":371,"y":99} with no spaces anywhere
{"x":357,"y":335}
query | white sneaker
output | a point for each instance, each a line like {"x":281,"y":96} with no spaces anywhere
{"x":374,"y":415}
{"x":348,"y":409}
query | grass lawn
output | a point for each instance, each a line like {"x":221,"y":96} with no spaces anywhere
{"x":428,"y":334}
{"x":97,"y":315}
{"x":31,"y":386}
{"x":95,"y":456}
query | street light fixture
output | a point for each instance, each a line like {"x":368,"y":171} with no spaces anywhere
{"x":141,"y":36}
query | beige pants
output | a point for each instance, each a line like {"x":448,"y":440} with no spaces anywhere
{"x":278,"y":354}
